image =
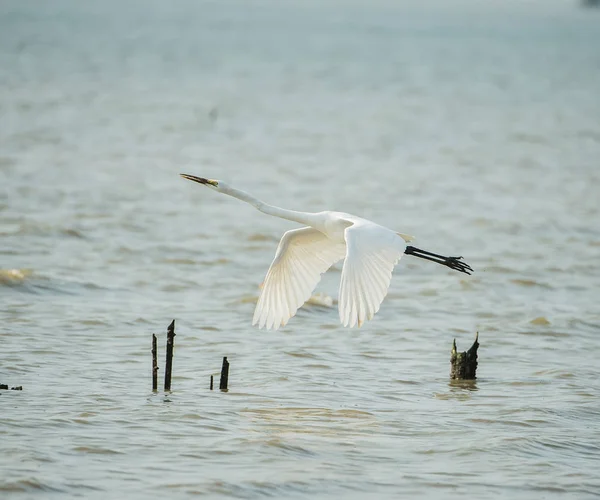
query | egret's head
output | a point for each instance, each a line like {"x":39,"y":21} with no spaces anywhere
{"x":201,"y":180}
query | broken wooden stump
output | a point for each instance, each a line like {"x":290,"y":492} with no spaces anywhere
{"x":169,"y":360}
{"x":154,"y":365}
{"x":463,"y":365}
{"x":224,"y":375}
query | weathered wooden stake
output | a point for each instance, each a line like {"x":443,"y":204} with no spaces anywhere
{"x":154,"y":365}
{"x":224,"y":375}
{"x":169,"y":362}
{"x":463,"y":365}
{"x":211,"y":382}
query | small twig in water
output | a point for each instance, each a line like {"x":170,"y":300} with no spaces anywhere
{"x":154,"y":365}
{"x":169,"y":361}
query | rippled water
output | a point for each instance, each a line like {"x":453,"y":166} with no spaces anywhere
{"x":473,"y":126}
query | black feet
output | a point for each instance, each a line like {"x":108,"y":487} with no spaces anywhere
{"x":456,"y":264}
{"x":451,"y":262}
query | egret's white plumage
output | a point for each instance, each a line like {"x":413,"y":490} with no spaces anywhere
{"x":370,"y":252}
{"x":302,"y":256}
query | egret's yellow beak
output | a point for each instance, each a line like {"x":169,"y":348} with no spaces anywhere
{"x":201,"y":180}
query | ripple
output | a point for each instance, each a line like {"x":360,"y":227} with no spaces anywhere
{"x":11,"y":277}
{"x":96,"y":450}
{"x":75,"y":233}
{"x":517,"y":423}
{"x":92,"y":322}
{"x":314,"y":421}
{"x":25,"y":485}
{"x":31,"y":228}
{"x":30,"y":281}
{"x":545,"y":333}
{"x":183,"y":262}
{"x":320,"y":299}
{"x":530,"y":283}
{"x":540,"y":320}
{"x":208,"y":328}
{"x":261,"y":237}
{"x":556,"y":373}
{"x":302,"y":354}
{"x":216,"y":262}
{"x":248,"y":299}
{"x":288,"y":448}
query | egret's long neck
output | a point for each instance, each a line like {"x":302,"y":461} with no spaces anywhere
{"x":310,"y":219}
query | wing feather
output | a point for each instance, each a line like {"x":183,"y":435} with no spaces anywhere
{"x":302,"y":256}
{"x":372,"y":251}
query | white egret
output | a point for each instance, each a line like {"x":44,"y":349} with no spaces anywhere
{"x":371,"y":251}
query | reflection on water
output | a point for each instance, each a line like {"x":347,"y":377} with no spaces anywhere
{"x":462,"y":385}
{"x":472,"y":126}
{"x":316,"y":421}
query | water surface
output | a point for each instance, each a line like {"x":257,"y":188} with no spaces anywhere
{"x":474,"y":127}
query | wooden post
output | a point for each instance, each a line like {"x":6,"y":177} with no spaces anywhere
{"x":154,"y":365}
{"x":169,"y":361}
{"x":224,"y":375}
{"x":464,"y":364}
{"x":211,"y":382}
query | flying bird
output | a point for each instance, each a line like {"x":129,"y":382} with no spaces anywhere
{"x":370,"y":252}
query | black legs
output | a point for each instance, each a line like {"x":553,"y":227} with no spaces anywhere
{"x":451,"y":262}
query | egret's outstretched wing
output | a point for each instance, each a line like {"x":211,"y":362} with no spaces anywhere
{"x":372,"y":251}
{"x":302,"y":256}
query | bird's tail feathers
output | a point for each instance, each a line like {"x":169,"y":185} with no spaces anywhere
{"x":406,"y":237}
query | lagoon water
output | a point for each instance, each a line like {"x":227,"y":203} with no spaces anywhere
{"x":474,"y":126}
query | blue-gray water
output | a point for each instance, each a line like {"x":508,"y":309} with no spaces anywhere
{"x":474,"y":126}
